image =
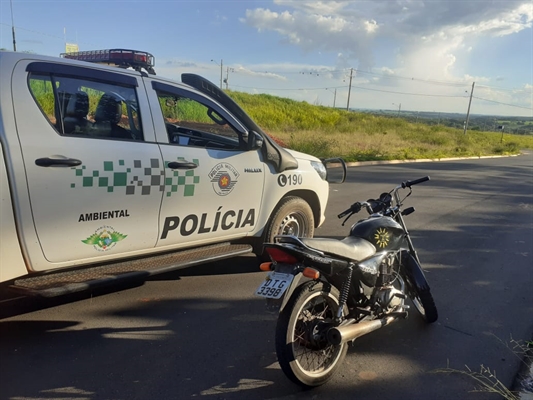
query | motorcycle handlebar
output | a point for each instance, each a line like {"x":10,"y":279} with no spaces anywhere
{"x":415,"y":182}
{"x":354,"y":208}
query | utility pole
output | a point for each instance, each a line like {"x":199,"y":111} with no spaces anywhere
{"x":13,"y":26}
{"x":221,"y":69}
{"x":226,"y":81}
{"x":220,"y":74}
{"x":334,"y":95}
{"x":227,"y":77}
{"x":468,"y":112}
{"x":399,"y":109}
{"x":349,"y":90}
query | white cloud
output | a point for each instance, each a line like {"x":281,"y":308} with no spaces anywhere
{"x":239,"y":69}
{"x":430,"y":35}
{"x":313,"y":32}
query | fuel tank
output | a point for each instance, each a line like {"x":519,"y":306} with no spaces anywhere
{"x":383,"y":232}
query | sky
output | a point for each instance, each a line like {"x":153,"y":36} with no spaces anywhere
{"x":404,"y":55}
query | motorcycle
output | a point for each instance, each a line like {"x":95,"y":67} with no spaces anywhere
{"x":330,"y":292}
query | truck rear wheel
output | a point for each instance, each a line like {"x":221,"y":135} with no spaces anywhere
{"x":292,"y":216}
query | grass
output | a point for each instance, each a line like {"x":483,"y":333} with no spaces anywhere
{"x":327,"y":132}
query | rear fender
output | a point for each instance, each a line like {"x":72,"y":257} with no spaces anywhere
{"x":277,"y":305}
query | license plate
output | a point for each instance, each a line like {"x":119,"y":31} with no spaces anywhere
{"x":275,"y":285}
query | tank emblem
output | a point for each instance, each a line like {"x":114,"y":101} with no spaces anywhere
{"x":382,"y":237}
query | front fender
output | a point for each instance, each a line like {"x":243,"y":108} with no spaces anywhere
{"x":413,"y":272}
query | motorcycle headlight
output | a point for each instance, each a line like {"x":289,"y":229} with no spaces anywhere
{"x":320,"y":169}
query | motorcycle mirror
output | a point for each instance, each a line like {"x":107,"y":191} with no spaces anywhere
{"x":385,"y":197}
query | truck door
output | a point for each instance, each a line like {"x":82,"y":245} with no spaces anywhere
{"x":94,"y":174}
{"x":214,"y":185}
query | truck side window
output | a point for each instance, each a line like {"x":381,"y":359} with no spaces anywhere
{"x":191,"y":123}
{"x":87,"y":108}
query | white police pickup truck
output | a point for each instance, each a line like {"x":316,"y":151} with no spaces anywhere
{"x":109,"y":173}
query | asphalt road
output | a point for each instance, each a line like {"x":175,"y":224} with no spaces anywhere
{"x":200,"y":333}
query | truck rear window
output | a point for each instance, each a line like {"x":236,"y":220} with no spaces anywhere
{"x":82,"y":107}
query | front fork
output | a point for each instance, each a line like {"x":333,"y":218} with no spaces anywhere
{"x":412,"y":250}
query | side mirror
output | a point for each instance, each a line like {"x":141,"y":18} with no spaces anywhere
{"x":336,"y":170}
{"x":255,"y":141}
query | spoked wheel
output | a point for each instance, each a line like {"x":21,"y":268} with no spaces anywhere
{"x":304,"y":353}
{"x":418,"y":289}
{"x":425,"y":305}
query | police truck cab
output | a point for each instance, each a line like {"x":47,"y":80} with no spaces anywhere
{"x":110,"y":173}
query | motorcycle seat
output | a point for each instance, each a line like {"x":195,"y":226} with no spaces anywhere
{"x":350,"y":247}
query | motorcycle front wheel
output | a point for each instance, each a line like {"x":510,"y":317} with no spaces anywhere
{"x":425,"y":305}
{"x":304,"y":353}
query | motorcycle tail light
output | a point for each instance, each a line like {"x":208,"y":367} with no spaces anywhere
{"x":311,"y":273}
{"x":266,"y":266}
{"x":281,"y":256}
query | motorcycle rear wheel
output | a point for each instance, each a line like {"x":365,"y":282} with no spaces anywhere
{"x":304,"y":354}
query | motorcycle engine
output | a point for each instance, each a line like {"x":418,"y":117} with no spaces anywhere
{"x":389,"y":297}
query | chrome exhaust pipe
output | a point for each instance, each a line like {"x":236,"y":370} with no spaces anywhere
{"x":343,"y":334}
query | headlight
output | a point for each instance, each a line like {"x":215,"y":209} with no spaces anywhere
{"x":320,"y":169}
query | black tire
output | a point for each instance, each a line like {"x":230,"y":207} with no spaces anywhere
{"x":292,"y":216}
{"x":308,"y":359}
{"x":418,"y":288}
{"x":425,"y":305}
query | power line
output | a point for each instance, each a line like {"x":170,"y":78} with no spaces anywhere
{"x":505,"y":104}
{"x":294,"y":89}
{"x":390,"y":76}
{"x":504,"y":89}
{"x":430,"y":81}
{"x":62,"y":38}
{"x":330,"y":71}
{"x":358,"y":71}
{"x":409,"y":94}
{"x":357,"y":87}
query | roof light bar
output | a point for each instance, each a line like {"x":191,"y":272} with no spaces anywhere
{"x":121,"y":57}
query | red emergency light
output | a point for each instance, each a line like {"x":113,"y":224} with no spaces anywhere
{"x":121,"y":57}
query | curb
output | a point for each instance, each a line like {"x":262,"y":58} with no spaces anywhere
{"x":523,"y":385}
{"x":362,"y":163}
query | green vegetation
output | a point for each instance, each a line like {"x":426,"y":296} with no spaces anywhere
{"x":328,"y":132}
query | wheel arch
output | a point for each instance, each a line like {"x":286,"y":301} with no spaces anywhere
{"x":310,"y":197}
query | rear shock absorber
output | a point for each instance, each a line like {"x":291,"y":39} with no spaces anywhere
{"x":345,"y":291}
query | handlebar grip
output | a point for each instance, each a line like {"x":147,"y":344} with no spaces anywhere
{"x":415,"y":182}
{"x":344,"y":213}
{"x":354,"y":208}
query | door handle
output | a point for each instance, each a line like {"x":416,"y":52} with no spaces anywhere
{"x":182,"y":165}
{"x":57,"y":162}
